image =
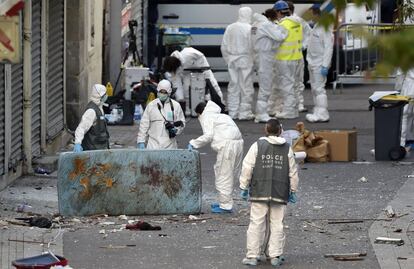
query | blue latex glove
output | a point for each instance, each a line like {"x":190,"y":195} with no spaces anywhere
{"x":292,"y":197}
{"x":190,"y":147}
{"x":141,"y":145}
{"x":244,"y":194}
{"x":324,"y":71}
{"x":77,"y":148}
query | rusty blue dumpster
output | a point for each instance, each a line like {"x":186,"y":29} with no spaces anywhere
{"x":130,"y":182}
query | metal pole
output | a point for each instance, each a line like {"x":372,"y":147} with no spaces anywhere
{"x":27,"y":87}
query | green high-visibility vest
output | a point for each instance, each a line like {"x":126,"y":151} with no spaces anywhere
{"x":291,"y":48}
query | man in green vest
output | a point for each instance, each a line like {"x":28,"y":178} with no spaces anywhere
{"x":288,"y":59}
{"x":91,"y":133}
{"x":269,"y":168}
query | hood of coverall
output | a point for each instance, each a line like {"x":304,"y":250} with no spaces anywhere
{"x":275,"y":140}
{"x":164,"y":85}
{"x":245,"y":15}
{"x":257,"y":17}
{"x":211,"y":107}
{"x":96,"y":93}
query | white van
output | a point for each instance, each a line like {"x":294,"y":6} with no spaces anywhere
{"x":206,"y":21}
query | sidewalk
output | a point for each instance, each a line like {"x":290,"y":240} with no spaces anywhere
{"x":402,"y":226}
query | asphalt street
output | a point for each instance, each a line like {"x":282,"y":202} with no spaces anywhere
{"x":328,"y":192}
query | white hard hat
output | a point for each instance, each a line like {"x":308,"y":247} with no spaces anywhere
{"x":164,"y":85}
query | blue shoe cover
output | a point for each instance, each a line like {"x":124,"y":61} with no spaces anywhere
{"x":278,"y":261}
{"x":220,"y":210}
{"x":249,"y":261}
{"x":213,"y":205}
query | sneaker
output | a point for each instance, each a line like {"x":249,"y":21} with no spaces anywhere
{"x":220,"y":210}
{"x":213,"y":205}
{"x":278,"y":261}
{"x":249,"y":261}
{"x":287,"y":116}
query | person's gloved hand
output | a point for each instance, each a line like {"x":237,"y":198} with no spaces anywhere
{"x":324,"y":71}
{"x":292,"y":197}
{"x":244,"y":194}
{"x":77,"y":148}
{"x":190,"y":147}
{"x":141,"y":145}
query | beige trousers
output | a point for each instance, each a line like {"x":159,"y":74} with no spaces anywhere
{"x":257,"y":229}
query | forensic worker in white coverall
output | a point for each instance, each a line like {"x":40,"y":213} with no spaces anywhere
{"x":288,"y":58}
{"x":267,"y":36}
{"x":188,"y":58}
{"x":226,"y":139}
{"x":319,"y":56}
{"x":92,"y":133}
{"x":269,"y":171}
{"x":237,"y":53}
{"x":406,"y":86}
{"x":299,"y":86}
{"x":162,"y":121}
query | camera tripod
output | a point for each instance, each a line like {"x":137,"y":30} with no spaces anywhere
{"x":131,"y":50}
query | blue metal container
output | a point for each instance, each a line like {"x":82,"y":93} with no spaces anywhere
{"x":130,"y":182}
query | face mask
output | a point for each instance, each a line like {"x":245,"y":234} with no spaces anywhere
{"x":104,"y":98}
{"x":162,"y":96}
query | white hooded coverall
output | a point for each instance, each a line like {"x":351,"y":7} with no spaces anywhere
{"x":319,"y":53}
{"x":152,"y":124}
{"x":407,"y":124}
{"x":237,"y":53}
{"x":259,"y":211}
{"x":226,"y":139}
{"x":266,"y":38}
{"x":299,"y":86}
{"x":89,"y":117}
{"x":191,"y":58}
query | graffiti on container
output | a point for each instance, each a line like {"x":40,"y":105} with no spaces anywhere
{"x":171,"y":184}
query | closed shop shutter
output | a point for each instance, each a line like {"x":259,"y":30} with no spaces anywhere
{"x":55,"y":78}
{"x":36,"y":76}
{"x":16,"y":153}
{"x":2,"y":123}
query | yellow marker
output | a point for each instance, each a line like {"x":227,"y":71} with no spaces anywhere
{"x":109,"y":89}
{"x":151,"y":97}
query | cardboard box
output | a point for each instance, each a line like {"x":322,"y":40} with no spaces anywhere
{"x":342,"y":144}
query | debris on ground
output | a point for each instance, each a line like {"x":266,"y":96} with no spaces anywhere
{"x":40,"y":222}
{"x":317,"y":207}
{"x":192,"y":217}
{"x":389,"y":240}
{"x":143,"y":226}
{"x":41,"y":171}
{"x":23,"y":208}
{"x":122,"y":217}
{"x":389,"y":211}
{"x":346,"y":256}
{"x":107,"y":223}
{"x":344,"y":221}
{"x":363,"y":179}
{"x":399,"y":230}
{"x":118,"y":247}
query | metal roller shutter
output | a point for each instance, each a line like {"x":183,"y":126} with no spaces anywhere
{"x":16,"y":153}
{"x":36,"y":75}
{"x":2,"y":118}
{"x":55,"y":83}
